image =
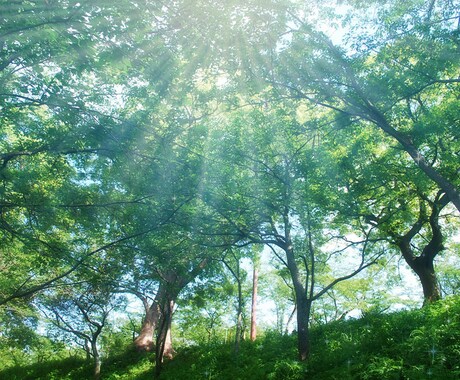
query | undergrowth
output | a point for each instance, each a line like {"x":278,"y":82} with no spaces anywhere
{"x":417,"y":344}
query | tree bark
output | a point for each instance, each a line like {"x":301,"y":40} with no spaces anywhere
{"x":239,"y":307}
{"x":303,"y":306}
{"x":97,"y":361}
{"x":423,"y":265}
{"x":303,"y":331}
{"x":427,"y":275}
{"x":144,"y":341}
{"x":291,"y":316}
{"x":168,"y":349}
{"x":239,"y":311}
{"x":255,"y":277}
{"x":163,"y":345}
{"x":171,"y":285}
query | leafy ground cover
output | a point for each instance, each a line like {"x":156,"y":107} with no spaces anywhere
{"x":416,"y":344}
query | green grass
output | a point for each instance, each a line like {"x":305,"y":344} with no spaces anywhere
{"x":418,"y":344}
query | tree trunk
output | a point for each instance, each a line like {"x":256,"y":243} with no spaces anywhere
{"x":171,"y":285}
{"x":97,"y":361}
{"x":303,"y":331}
{"x":289,"y":321}
{"x":424,"y":269}
{"x":144,"y":342}
{"x":239,"y":306}
{"x":303,"y":305}
{"x":163,"y":345}
{"x":239,"y":311}
{"x":255,"y":277}
{"x":88,"y":350}
{"x":423,"y":265}
{"x":280,"y":318}
{"x":169,"y":350}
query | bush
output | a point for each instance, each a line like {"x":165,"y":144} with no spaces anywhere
{"x":418,"y":344}
{"x":288,"y":370}
{"x":383,"y":368}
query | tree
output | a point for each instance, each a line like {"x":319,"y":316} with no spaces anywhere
{"x":143,"y":139}
{"x":203,"y":315}
{"x":277,"y":287}
{"x":278,"y":197}
{"x":54,"y":126}
{"x":423,"y":264}
{"x":163,"y":264}
{"x":404,"y":87}
{"x":384,"y":189}
{"x":232,"y":261}
{"x":255,"y":284}
{"x":83,"y":314}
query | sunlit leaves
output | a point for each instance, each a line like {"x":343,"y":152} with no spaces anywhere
{"x":188,"y":127}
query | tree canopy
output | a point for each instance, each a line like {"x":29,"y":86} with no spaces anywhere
{"x":149,"y":148}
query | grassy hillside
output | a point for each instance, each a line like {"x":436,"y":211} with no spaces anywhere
{"x":418,"y":344}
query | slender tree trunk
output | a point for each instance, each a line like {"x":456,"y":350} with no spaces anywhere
{"x":239,"y":307}
{"x":88,"y":350}
{"x":303,"y":305}
{"x":289,"y":321}
{"x":279,"y":318}
{"x":255,"y":277}
{"x":239,"y":311}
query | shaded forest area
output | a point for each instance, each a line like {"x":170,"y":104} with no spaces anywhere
{"x":170,"y":172}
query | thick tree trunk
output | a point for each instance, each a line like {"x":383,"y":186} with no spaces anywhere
{"x":425,"y":271}
{"x":171,"y":285}
{"x":97,"y":361}
{"x":423,"y":265}
{"x":168,"y":349}
{"x":144,"y":341}
{"x":163,"y":345}
{"x":303,"y":331}
{"x":255,"y":277}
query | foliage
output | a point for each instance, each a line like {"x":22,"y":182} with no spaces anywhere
{"x":407,"y":344}
{"x":143,"y":142}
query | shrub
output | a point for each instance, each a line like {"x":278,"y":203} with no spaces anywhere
{"x":288,"y":370}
